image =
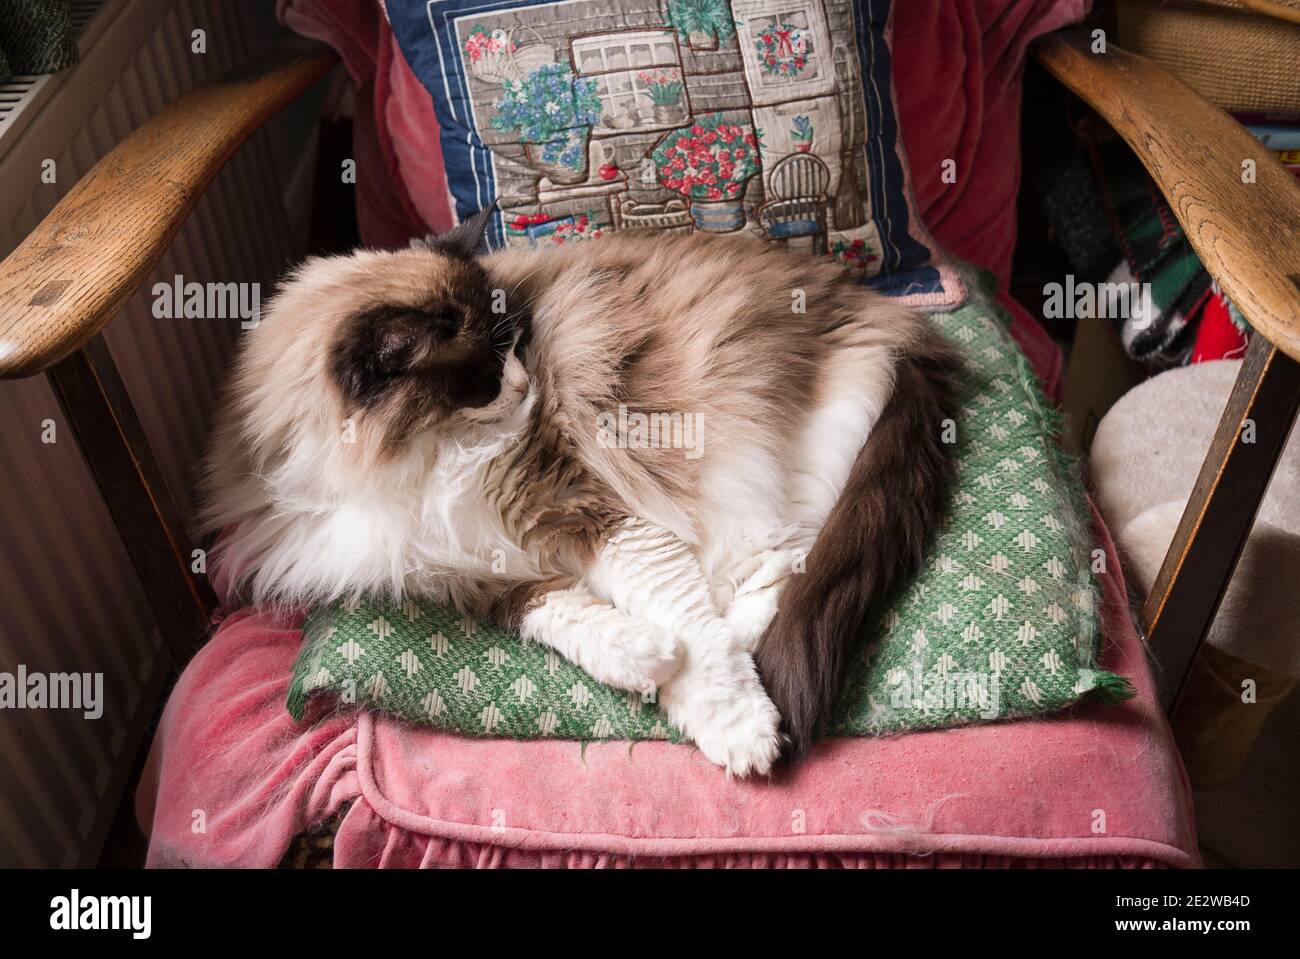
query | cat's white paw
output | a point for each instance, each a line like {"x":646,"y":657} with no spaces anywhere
{"x":751,"y":613}
{"x":639,"y":656}
{"x":614,"y":648}
{"x":754,"y":605}
{"x":745,"y":739}
{"x":654,"y":655}
{"x":719,"y":702}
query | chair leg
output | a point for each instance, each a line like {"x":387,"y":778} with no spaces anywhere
{"x":1221,"y":511}
{"x":100,"y":412}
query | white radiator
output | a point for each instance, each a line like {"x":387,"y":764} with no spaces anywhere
{"x":69,"y":601}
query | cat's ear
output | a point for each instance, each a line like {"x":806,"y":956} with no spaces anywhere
{"x":466,"y":238}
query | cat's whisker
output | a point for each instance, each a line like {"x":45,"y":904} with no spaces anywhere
{"x":505,"y":321}
{"x":523,"y":278}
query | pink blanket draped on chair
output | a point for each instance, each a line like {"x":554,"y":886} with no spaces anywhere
{"x":1100,"y":786}
{"x":231,"y":779}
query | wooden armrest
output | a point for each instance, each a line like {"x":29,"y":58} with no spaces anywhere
{"x":1272,"y":8}
{"x":78,"y":267}
{"x":1248,"y":237}
{"x":1247,"y":234}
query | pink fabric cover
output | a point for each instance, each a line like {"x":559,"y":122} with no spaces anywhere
{"x":1026,"y":793}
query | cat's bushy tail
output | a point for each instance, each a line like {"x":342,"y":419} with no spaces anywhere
{"x":874,"y":537}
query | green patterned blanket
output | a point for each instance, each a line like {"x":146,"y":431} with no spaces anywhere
{"x":1001,"y":623}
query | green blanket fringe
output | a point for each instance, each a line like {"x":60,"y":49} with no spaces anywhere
{"x":1113,"y":688}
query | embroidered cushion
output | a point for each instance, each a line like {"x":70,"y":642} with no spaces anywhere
{"x":773,"y":118}
{"x":1002,"y":622}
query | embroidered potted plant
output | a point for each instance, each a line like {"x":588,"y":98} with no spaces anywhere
{"x":854,"y":255}
{"x":552,"y":112}
{"x":489,"y":53}
{"x":704,"y":23}
{"x":576,"y":230}
{"x":542,"y":229}
{"x":801,"y":134}
{"x":708,"y":163}
{"x":782,"y":50}
{"x":494,"y":57}
{"x":665,"y":89}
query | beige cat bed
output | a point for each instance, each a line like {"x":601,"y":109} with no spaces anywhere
{"x":1144,"y":461}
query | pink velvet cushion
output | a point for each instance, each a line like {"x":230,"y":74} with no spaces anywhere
{"x":1100,"y":786}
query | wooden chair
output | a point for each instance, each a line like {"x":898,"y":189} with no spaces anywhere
{"x":71,"y":275}
{"x":799,"y":204}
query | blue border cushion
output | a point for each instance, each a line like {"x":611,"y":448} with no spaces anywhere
{"x":583,"y":117}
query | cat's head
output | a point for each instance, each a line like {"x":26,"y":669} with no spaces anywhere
{"x":434,"y":346}
{"x":409,"y":346}
{"x":372,"y":384}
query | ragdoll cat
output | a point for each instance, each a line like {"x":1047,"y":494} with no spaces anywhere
{"x":429,"y":423}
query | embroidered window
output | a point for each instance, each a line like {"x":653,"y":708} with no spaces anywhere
{"x":639,"y":79}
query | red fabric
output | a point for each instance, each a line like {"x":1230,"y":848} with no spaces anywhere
{"x":407,"y":114}
{"x":1217,"y":338}
{"x":957,"y":71}
{"x":386,"y":109}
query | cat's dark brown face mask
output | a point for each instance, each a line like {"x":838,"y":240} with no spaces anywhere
{"x":440,"y":352}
